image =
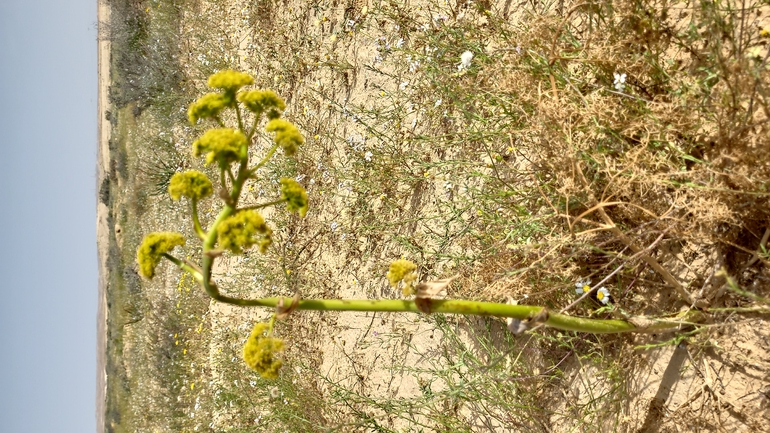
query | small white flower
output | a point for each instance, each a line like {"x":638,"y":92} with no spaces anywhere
{"x":448,"y":185}
{"x":400,"y":43}
{"x":334,"y":226}
{"x":438,"y":102}
{"x":620,"y":81}
{"x":465,"y":60}
{"x":582,"y":286}
{"x":275,"y":392}
{"x":368,"y":156}
{"x":403,"y":85}
{"x":603,"y":295}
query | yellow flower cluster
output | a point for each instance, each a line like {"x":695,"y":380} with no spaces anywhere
{"x":207,"y":106}
{"x":230,"y":81}
{"x":295,"y":196}
{"x":192,"y":184}
{"x":403,"y":270}
{"x":223,"y":145}
{"x":152,"y":249}
{"x":286,"y":135}
{"x":263,"y":101}
{"x":259,"y":352}
{"x":244,"y":229}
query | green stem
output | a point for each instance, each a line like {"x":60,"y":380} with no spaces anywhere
{"x":196,"y":221}
{"x":760,"y":310}
{"x":266,"y":158}
{"x":253,"y":127}
{"x":222,"y":177}
{"x":263,"y":205}
{"x":194,"y":271}
{"x":521,"y":312}
{"x":210,"y":239}
{"x":238,"y":115}
{"x":207,"y":261}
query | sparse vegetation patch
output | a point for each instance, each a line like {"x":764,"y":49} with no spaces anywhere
{"x":597,"y":161}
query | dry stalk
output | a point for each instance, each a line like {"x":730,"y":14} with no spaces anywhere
{"x":664,"y":273}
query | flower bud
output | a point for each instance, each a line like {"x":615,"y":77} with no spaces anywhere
{"x":260,"y":350}
{"x":263,"y":101}
{"x":242,"y":230}
{"x":191,"y":183}
{"x":152,"y":249}
{"x":230,"y":81}
{"x":223,"y":145}
{"x":207,"y":106}
{"x":295,"y":196}
{"x":286,"y":135}
{"x":403,"y":270}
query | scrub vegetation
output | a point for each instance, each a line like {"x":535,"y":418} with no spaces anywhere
{"x":605,"y":160}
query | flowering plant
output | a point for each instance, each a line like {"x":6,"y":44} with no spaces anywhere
{"x":238,"y":228}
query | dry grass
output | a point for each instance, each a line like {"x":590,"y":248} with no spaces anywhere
{"x":526,"y":172}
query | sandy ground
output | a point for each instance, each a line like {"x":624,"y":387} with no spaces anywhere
{"x":666,"y":389}
{"x":102,"y":227}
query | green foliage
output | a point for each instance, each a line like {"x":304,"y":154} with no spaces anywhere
{"x":260,"y":351}
{"x":192,"y":184}
{"x":295,"y":196}
{"x":152,"y":249}
{"x":244,"y":229}
{"x":223,"y":145}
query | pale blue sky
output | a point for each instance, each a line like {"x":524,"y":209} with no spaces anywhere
{"x":48,"y":262}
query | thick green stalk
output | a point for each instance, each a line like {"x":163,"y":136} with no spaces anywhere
{"x":521,"y":312}
{"x":196,"y":221}
{"x":194,"y":271}
{"x":207,"y":261}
